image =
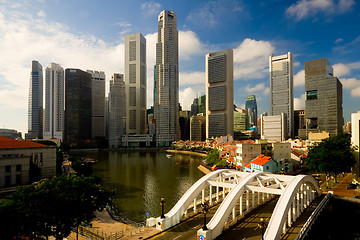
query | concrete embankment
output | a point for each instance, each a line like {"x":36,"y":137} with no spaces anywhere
{"x":204,"y":169}
{"x":187,"y":153}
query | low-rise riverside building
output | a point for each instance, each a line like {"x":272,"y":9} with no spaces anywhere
{"x":264,"y":163}
{"x":19,"y":158}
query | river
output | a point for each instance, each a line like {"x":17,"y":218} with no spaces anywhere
{"x":140,"y":179}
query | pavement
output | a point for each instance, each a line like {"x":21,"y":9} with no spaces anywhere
{"x":340,"y":188}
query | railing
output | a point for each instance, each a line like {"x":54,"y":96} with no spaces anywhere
{"x":95,"y":234}
{"x":307,"y":226}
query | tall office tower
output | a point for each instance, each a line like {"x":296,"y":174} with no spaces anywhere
{"x":116,"y":110}
{"x":166,"y":96}
{"x":355,"y":139}
{"x":282,"y":88}
{"x":97,"y":104}
{"x":195,"y":107}
{"x":77,"y":106}
{"x":184,"y":123}
{"x":251,"y":108}
{"x":299,"y":121}
{"x":202,"y":105}
{"x":35,"y":107}
{"x":54,"y":102}
{"x":219,"y":93}
{"x":197,"y":128}
{"x":323,"y":104}
{"x":241,"y":120}
{"x":135,"y":82}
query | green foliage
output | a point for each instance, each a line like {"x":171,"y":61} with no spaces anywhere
{"x":331,"y":155}
{"x":52,"y":207}
{"x":213,"y":157}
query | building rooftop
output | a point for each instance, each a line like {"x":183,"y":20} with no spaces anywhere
{"x":11,"y":143}
{"x":261,"y":160}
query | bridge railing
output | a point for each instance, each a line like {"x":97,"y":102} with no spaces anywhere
{"x":311,"y":220}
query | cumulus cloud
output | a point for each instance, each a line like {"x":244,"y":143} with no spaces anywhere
{"x":340,"y":70}
{"x":299,"y":78}
{"x":355,"y":92}
{"x":339,"y":40}
{"x":256,"y":88}
{"x":353,"y":84}
{"x":186,"y":98}
{"x":41,"y":13}
{"x":299,"y":103}
{"x":191,"y":78}
{"x":251,"y":59}
{"x":189,"y":45}
{"x":309,"y":8}
{"x":150,"y":8}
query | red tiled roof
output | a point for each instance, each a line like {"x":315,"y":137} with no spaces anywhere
{"x":11,"y":143}
{"x":261,"y":160}
{"x":248,"y":165}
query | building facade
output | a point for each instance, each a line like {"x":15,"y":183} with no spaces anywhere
{"x":219,"y":93}
{"x":135,"y":82}
{"x":355,"y":138}
{"x":251,"y":108}
{"x":299,"y":121}
{"x":274,"y":128}
{"x":282,"y":88}
{"x":197,"y":128}
{"x":77,"y":106}
{"x":323,"y":102}
{"x":184,"y":124}
{"x":35,"y":103}
{"x":54,"y":102}
{"x":241,"y":120}
{"x":117,"y":110}
{"x":97,"y":103}
{"x":166,"y":92}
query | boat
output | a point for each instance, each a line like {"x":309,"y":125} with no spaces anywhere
{"x":168,"y":155}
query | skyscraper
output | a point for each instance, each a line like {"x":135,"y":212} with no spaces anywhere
{"x":282,"y":89}
{"x":116,"y":110}
{"x":35,"y":107}
{"x":77,"y":106}
{"x":195,"y":107}
{"x":54,"y":102}
{"x":166,"y":92}
{"x":323,"y":104}
{"x":97,"y":103}
{"x":135,"y":79}
{"x":251,"y":108}
{"x":219,"y":93}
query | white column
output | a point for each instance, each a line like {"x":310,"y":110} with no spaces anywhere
{"x":223,"y":193}
{"x":289,"y":217}
{"x":284,"y":227}
{"x":247,"y":200}
{"x":298,"y":202}
{"x":305,"y":195}
{"x":217,"y":193}
{"x":258,"y":198}
{"x":302,"y":198}
{"x":194,"y":205}
{"x":240,"y":205}
{"x":203,"y":195}
{"x":252,"y":199}
{"x":233,"y":214}
{"x":210,"y":201}
{"x":263,"y":197}
{"x":294,"y":210}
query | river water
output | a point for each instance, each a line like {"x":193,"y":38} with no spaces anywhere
{"x":140,"y":179}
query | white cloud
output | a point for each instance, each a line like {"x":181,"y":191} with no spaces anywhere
{"x":41,"y":13}
{"x":186,"y":98}
{"x":309,"y":8}
{"x":339,"y":40}
{"x":340,"y":70}
{"x":260,"y":88}
{"x":353,"y":84}
{"x":355,"y":92}
{"x":191,"y":78}
{"x":150,"y":8}
{"x":189,"y":45}
{"x":299,"y":79}
{"x":299,"y":103}
{"x":251,"y":59}
{"x":296,"y":64}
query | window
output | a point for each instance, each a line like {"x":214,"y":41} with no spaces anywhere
{"x":267,"y":167}
{"x":8,"y":168}
{"x":311,"y":95}
{"x":312,"y":123}
{"x":18,"y":179}
{"x":18,"y":167}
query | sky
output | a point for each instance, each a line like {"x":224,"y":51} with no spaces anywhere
{"x":89,"y":34}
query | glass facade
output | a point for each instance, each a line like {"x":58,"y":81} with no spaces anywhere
{"x":251,"y":108}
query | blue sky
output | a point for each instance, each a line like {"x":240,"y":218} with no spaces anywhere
{"x":89,"y":35}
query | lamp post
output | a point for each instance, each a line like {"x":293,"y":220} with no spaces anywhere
{"x":162,"y":203}
{"x":262,"y":226}
{"x":205,"y":209}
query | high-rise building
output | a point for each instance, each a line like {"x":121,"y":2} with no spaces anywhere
{"x":282,"y":88}
{"x":299,"y":121}
{"x":135,"y":82}
{"x":241,"y":120}
{"x":355,"y":139}
{"x":195,"y":107}
{"x":35,"y":104}
{"x":54,"y":102}
{"x":219,"y":93}
{"x":197,"y":128}
{"x":323,"y":103}
{"x":77,"y":106}
{"x":251,"y":108}
{"x":274,"y":128}
{"x":202,"y":105}
{"x":116,"y":110}
{"x":184,"y":123}
{"x":97,"y":103}
{"x":166,"y":96}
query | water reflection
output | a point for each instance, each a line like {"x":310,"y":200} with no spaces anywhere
{"x":142,"y":178}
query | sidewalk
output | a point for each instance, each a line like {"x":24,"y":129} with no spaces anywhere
{"x":340,"y":188}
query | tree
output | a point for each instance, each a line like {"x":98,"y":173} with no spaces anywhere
{"x":53,"y":206}
{"x":332,"y":155}
{"x":213,"y":157}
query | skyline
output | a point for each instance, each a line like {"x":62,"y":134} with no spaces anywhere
{"x":91,"y":36}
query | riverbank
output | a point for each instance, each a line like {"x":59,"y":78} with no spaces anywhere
{"x":197,"y":154}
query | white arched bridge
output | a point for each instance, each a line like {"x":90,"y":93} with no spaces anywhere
{"x":241,"y":192}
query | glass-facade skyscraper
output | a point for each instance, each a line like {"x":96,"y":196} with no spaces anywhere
{"x":251,"y":108}
{"x":35,"y":104}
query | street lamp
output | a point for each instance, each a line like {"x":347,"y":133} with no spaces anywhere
{"x":162,"y":203}
{"x":205,"y":209}
{"x":262,"y":226}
